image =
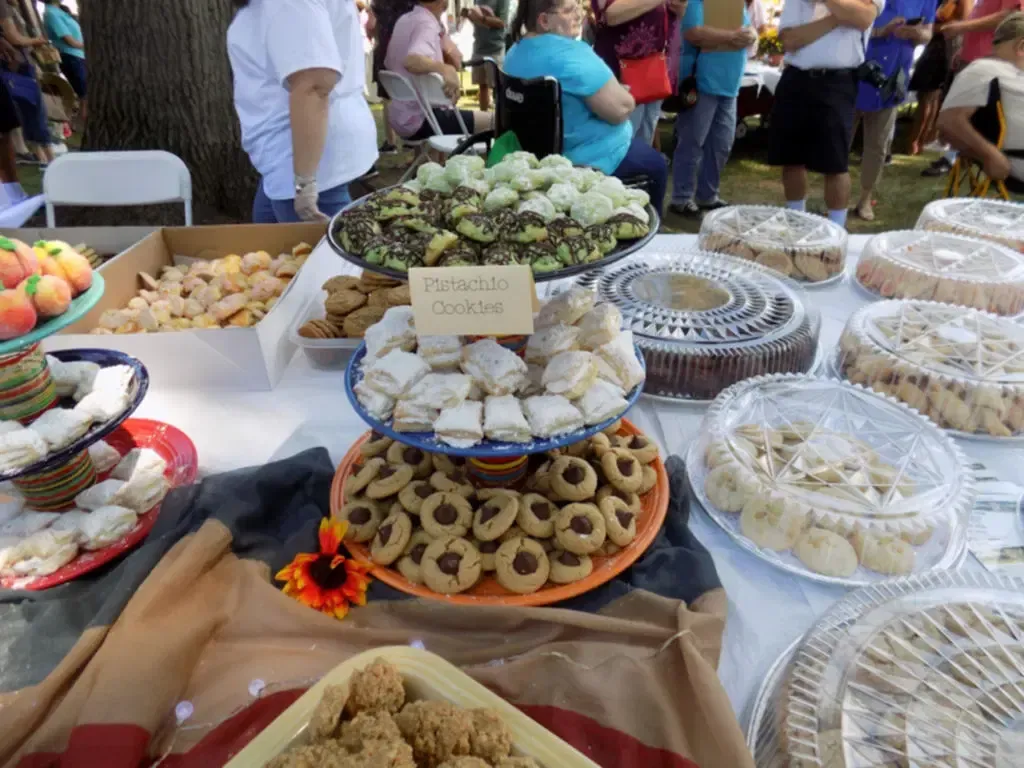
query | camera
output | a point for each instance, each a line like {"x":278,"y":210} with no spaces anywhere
{"x":892,"y":88}
{"x":871,"y":72}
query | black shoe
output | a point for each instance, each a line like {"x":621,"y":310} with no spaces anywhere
{"x":688,"y":209}
{"x":940,"y":167}
{"x":714,"y":205}
{"x":387,"y":148}
{"x":888,"y":159}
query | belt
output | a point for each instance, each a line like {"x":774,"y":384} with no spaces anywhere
{"x":825,"y":72}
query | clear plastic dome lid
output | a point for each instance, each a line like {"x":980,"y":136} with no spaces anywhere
{"x":991,"y":219}
{"x":925,"y":671}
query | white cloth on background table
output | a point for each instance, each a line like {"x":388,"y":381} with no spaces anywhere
{"x":768,"y":608}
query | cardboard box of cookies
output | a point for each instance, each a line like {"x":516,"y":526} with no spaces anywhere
{"x":247,"y":356}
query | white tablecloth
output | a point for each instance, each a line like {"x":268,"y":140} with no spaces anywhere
{"x":768,"y":608}
{"x":761,"y":75}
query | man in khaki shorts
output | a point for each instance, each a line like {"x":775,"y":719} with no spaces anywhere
{"x":489,"y":18}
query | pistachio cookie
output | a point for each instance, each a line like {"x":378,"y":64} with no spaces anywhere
{"x":446,"y":514}
{"x":450,"y":565}
{"x":632,"y":500}
{"x":410,"y":562}
{"x":356,"y":483}
{"x":392,"y":537}
{"x":567,"y":567}
{"x":419,"y":460}
{"x":389,"y":481}
{"x":376,"y":445}
{"x":622,"y":469}
{"x":580,"y":528}
{"x":573,"y":479}
{"x":537,"y":516}
{"x":521,"y":565}
{"x":363,"y":516}
{"x":414,"y":494}
{"x":495,"y":516}
{"x":455,"y":481}
{"x":619,"y":521}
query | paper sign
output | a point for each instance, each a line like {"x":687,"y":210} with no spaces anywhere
{"x":472,"y":301}
{"x":724,"y":14}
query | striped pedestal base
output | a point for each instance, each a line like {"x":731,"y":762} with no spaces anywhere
{"x":56,"y":489}
{"x":507,"y":471}
{"x":26,"y":388}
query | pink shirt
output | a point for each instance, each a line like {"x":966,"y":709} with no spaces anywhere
{"x":979,"y":43}
{"x":421,"y":32}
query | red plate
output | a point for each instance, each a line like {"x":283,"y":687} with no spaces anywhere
{"x":175,"y":448}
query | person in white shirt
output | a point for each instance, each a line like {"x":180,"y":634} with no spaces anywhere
{"x":812,"y":119}
{"x":298,"y":77}
{"x":969,"y":93}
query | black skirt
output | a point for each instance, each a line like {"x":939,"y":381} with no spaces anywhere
{"x":932,"y":68}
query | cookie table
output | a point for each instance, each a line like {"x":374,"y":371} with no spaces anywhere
{"x":769,"y":609}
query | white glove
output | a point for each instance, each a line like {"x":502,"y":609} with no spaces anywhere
{"x":306,"y":202}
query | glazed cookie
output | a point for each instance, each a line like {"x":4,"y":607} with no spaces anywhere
{"x":650,"y":479}
{"x":363,"y":516}
{"x":389,"y":481}
{"x":567,"y":567}
{"x":414,"y":494}
{"x":826,"y":552}
{"x":537,"y":515}
{"x":450,"y":565}
{"x":521,"y":565}
{"x":455,"y":481}
{"x":645,"y":450}
{"x":495,"y":516}
{"x":446,"y":514}
{"x":409,"y":563}
{"x":420,"y":461}
{"x":573,"y":479}
{"x":487,"y":550}
{"x":580,"y":528}
{"x":392,"y":537}
{"x":376,"y":444}
{"x":363,"y":477}
{"x":632,"y":500}
{"x":619,"y":521}
{"x":622,"y":470}
{"x":445,"y":463}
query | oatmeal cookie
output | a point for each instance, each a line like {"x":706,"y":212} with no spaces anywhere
{"x":580,"y":528}
{"x":363,"y":516}
{"x":392,"y":754}
{"x":450,"y":565}
{"x":341,"y":303}
{"x":327,"y":716}
{"x":341,"y":283}
{"x":573,"y":479}
{"x":517,"y":762}
{"x":521,"y":565}
{"x":376,"y":688}
{"x":320,"y":329}
{"x":367,"y":727}
{"x":376,"y":445}
{"x":464,"y":762}
{"x":398,"y":296}
{"x":490,"y":739}
{"x":414,"y":494}
{"x":446,"y":514}
{"x":389,"y":481}
{"x":357,"y":322}
{"x":436,"y":731}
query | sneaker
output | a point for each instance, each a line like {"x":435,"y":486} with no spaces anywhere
{"x":713,"y":205}
{"x":940,"y":167}
{"x":387,"y":148}
{"x":688,"y":209}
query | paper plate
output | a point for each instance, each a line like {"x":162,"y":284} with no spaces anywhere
{"x":488,"y":591}
{"x":79,"y":306}
{"x":175,"y":448}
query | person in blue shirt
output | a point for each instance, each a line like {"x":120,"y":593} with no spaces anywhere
{"x":705,"y":131}
{"x":595,"y":106}
{"x":892,"y":44}
{"x":64,"y":32}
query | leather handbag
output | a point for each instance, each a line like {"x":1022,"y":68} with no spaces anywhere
{"x":647,"y":78}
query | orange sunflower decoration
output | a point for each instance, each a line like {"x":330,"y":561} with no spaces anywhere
{"x":327,"y":581}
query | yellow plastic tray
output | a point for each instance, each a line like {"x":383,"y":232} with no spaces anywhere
{"x":426,"y":676}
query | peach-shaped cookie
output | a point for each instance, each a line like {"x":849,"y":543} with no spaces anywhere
{"x":75,"y":266}
{"x":17,"y":315}
{"x":51,"y":296}
{"x":17,"y":261}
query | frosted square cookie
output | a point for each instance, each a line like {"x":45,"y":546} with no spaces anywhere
{"x":602,"y":401}
{"x":393,"y":331}
{"x":71,"y":522}
{"x":104,"y":456}
{"x":410,"y":416}
{"x":106,"y":525}
{"x":143,"y":492}
{"x":498,"y":371}
{"x":379,"y":406}
{"x":566,"y":307}
{"x":620,"y":355}
{"x":461,"y":426}
{"x":440,"y":390}
{"x":42,"y":553}
{"x":21,"y":448}
{"x":100,"y":495}
{"x":109,"y":395}
{"x":61,"y":426}
{"x":139,"y":461}
{"x":504,"y":420}
{"x":551,"y":415}
{"x":72,"y":378}
{"x":440,"y":352}
{"x":28,"y":523}
{"x":599,"y":326}
{"x":570,"y":374}
{"x":533,"y":384}
{"x":548,"y":342}
{"x":395,"y":373}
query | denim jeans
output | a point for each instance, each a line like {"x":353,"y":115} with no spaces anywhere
{"x":643,"y":159}
{"x":267,"y":211}
{"x":645,"y":121}
{"x":704,"y":136}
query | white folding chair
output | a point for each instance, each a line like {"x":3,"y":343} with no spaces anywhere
{"x":117,"y":179}
{"x":431,"y":88}
{"x":400,"y":88}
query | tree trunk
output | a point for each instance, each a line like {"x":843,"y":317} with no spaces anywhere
{"x":159,"y":78}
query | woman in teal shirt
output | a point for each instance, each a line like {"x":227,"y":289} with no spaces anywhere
{"x":64,"y":32}
{"x":595,"y":106}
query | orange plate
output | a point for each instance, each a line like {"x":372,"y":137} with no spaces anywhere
{"x":488,"y":591}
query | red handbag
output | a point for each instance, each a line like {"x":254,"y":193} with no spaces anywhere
{"x":647,"y":78}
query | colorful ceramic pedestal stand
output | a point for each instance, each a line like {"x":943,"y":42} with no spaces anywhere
{"x":26,"y":387}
